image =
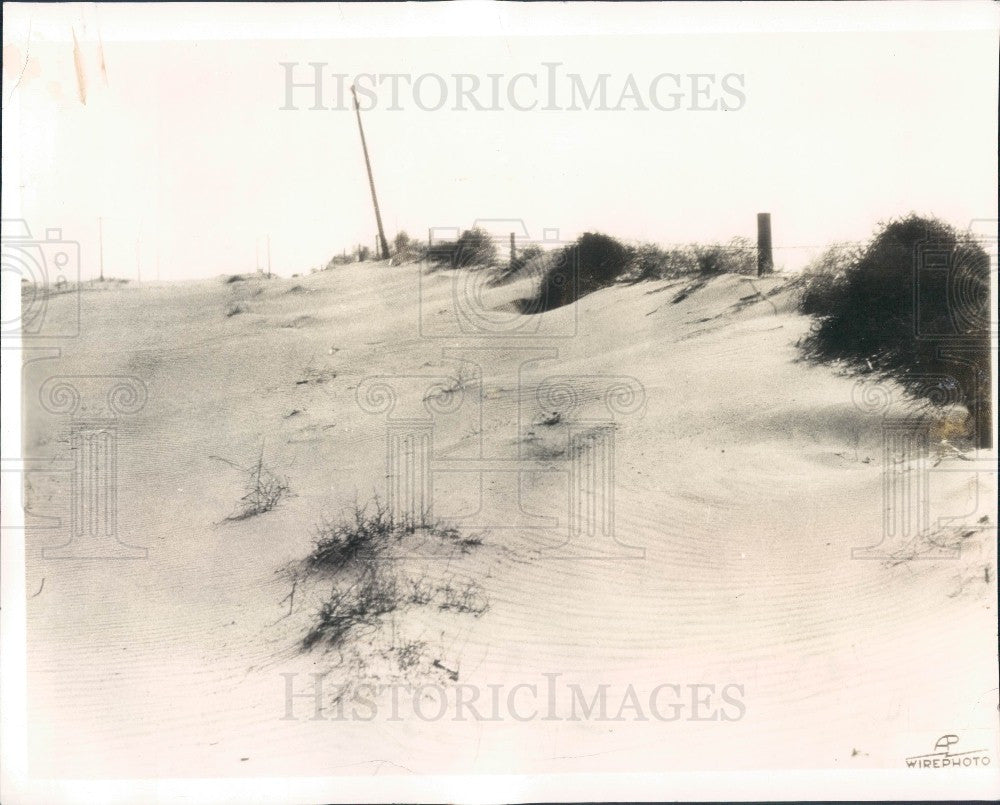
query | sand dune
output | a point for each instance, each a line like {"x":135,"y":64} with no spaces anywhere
{"x":742,"y":480}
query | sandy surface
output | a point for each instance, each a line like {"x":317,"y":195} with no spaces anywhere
{"x":742,"y":481}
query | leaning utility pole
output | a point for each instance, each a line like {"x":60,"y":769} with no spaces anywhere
{"x":371,"y":182}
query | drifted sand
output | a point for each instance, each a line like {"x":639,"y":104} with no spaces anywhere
{"x":744,"y":479}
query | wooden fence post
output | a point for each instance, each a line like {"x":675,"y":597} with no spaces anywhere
{"x":765,"y":257}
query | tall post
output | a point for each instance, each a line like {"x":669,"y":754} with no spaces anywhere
{"x":269,"y":257}
{"x":371,"y":180}
{"x":430,"y":238}
{"x":765,"y":258}
{"x":512,"y":252}
{"x":100,"y":240}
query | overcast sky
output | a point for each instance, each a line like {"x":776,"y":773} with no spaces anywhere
{"x":184,"y":146}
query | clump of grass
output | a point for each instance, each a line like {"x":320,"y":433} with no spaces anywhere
{"x":891,"y":311}
{"x":474,"y":247}
{"x":738,"y":256}
{"x":362,"y":534}
{"x":405,"y":249}
{"x":409,"y":654}
{"x":466,"y":598}
{"x":422,"y":592}
{"x":822,"y":280}
{"x":651,"y":262}
{"x":234,"y":309}
{"x":528,"y":260}
{"x":354,"y":550}
{"x":235,"y":278}
{"x":366,"y":533}
{"x":648,"y":261}
{"x":596,"y":261}
{"x":265,"y":489}
{"x":362,"y":604}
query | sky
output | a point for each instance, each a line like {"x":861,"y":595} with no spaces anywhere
{"x":183,"y":150}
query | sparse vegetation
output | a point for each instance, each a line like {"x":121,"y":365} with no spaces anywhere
{"x":376,"y":592}
{"x":594,"y":261}
{"x":362,"y":604}
{"x":410,"y":653}
{"x":401,"y":243}
{"x":651,"y":262}
{"x":264,"y":489}
{"x":597,"y":261}
{"x":819,"y":281}
{"x":530,"y":260}
{"x":339,"y":260}
{"x":942,"y":541}
{"x":912,"y":306}
{"x":422,"y":592}
{"x":234,"y":308}
{"x":405,"y":249}
{"x":356,"y":552}
{"x":474,"y":247}
{"x":524,"y":257}
{"x":363,"y":533}
{"x":466,"y":598}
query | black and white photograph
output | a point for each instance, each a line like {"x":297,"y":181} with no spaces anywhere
{"x":499,"y":402}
